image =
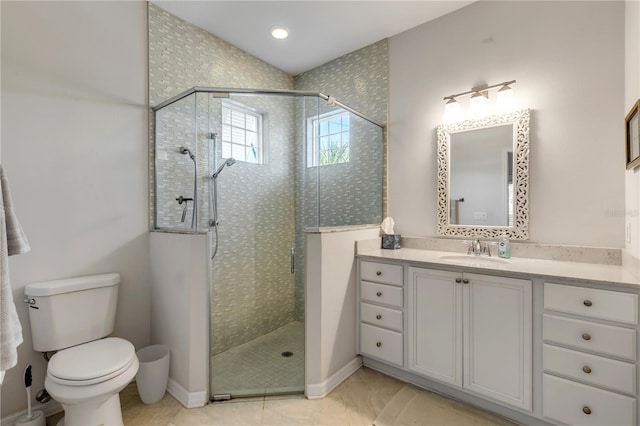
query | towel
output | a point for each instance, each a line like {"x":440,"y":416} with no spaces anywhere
{"x":12,"y":241}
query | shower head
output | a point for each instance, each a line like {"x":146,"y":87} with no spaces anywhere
{"x":185,"y":150}
{"x":228,"y":162}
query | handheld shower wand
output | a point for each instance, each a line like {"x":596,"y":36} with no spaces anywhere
{"x":229,"y":162}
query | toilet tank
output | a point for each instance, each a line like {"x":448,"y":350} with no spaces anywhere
{"x":72,"y":311}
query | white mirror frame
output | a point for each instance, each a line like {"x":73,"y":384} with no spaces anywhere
{"x":520,"y":228}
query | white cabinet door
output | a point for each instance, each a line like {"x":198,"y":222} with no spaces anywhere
{"x":435,"y":324}
{"x":497,"y":344}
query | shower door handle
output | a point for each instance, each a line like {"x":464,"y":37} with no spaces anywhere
{"x":293,"y":259}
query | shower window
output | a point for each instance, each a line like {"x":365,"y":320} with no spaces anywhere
{"x":241,"y":133}
{"x":329,"y":143}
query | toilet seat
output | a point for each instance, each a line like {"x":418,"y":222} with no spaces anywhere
{"x":92,"y":362}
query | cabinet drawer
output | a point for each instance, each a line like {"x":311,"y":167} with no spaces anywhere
{"x":595,"y":337}
{"x":569,"y":402}
{"x":591,"y":302}
{"x":381,"y":272}
{"x":381,"y":293}
{"x":379,"y":316}
{"x":380,"y":343}
{"x":616,"y":375}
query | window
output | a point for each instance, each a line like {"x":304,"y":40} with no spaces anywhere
{"x":329,"y":143}
{"x":241,"y":133}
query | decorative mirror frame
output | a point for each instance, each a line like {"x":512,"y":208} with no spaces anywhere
{"x":520,"y":228}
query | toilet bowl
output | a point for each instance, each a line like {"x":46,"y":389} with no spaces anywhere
{"x":74,"y":316}
{"x":86,"y":380}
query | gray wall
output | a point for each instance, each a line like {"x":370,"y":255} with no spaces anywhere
{"x":568,"y":60}
{"x":74,"y":123}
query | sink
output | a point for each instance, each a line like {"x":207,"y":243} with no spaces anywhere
{"x":474,"y":260}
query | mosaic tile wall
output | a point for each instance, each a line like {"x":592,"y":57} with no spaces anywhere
{"x":253,"y":291}
{"x":263,"y":209}
{"x":351,"y":193}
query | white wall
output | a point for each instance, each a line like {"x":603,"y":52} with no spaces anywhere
{"x":632,"y":93}
{"x":330,"y":311}
{"x":74,"y":145}
{"x":179,"y":311}
{"x":568,"y":60}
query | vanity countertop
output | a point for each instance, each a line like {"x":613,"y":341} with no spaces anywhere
{"x":517,"y":267}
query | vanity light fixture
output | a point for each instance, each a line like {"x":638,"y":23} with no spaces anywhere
{"x":504,"y":99}
{"x":279,"y":33}
{"x":479,"y":102}
{"x":452,"y":111}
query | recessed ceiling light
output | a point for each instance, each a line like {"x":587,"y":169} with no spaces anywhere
{"x":279,"y":32}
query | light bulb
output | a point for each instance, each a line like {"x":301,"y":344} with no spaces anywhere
{"x":505,"y":101}
{"x":478,"y":105}
{"x":452,"y":111}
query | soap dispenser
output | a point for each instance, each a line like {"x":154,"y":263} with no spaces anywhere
{"x":504,"y":248}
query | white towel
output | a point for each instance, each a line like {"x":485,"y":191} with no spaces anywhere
{"x":12,"y":241}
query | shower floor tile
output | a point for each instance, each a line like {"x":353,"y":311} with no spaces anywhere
{"x":258,"y":367}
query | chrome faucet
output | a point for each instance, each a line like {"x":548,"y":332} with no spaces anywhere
{"x":479,"y":248}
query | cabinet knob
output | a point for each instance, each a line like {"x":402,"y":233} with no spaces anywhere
{"x":379,"y":294}
{"x":378,"y":344}
{"x":378,"y":273}
{"x":586,"y":369}
{"x":586,"y":336}
{"x":587,"y":303}
{"x":378,"y":316}
{"x":586,"y":410}
{"x":465,"y":281}
{"x":458,"y":280}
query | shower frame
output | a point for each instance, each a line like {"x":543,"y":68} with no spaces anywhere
{"x":226,"y":93}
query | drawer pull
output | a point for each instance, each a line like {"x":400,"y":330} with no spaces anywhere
{"x":465,"y":281}
{"x":587,"y":303}
{"x":586,"y":410}
{"x":378,"y":273}
{"x":378,"y":344}
{"x":379,"y":294}
{"x":378,"y":316}
{"x":458,"y":280}
{"x":586,"y":369}
{"x":586,"y":336}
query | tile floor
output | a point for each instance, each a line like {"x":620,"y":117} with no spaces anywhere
{"x":258,"y":367}
{"x":366,"y":398}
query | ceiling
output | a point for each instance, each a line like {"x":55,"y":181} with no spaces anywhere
{"x":319,"y":31}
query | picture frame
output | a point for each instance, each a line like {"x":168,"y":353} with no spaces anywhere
{"x":632,"y":132}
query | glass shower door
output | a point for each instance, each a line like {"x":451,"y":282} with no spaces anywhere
{"x":257,"y":301}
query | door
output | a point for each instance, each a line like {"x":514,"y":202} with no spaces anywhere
{"x":435,"y":324}
{"x":497,"y":338}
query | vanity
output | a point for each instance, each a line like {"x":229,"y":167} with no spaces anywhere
{"x":529,"y":339}
{"x":538,"y":341}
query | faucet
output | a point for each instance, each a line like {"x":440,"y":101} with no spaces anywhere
{"x":479,"y":248}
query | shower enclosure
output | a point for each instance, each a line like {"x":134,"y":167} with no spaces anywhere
{"x":256,"y":169}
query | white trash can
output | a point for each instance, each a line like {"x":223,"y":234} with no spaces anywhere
{"x":153,"y":373}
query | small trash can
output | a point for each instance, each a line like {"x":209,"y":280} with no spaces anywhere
{"x":153,"y":373}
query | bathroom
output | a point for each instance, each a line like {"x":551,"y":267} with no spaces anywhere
{"x":76,"y":125}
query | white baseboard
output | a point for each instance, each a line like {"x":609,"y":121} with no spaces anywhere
{"x":48,"y":408}
{"x":315,"y":391}
{"x":186,"y":398}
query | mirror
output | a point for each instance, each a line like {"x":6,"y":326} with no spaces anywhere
{"x":483,"y":177}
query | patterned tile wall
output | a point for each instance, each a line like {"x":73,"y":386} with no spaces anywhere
{"x":253,"y":291}
{"x":262,"y":208}
{"x":354,"y":192}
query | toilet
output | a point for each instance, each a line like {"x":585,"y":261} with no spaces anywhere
{"x":73,"y":317}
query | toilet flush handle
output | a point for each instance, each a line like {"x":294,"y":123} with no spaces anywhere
{"x":31,"y":302}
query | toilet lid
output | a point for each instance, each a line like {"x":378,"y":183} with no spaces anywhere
{"x":92,"y":362}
